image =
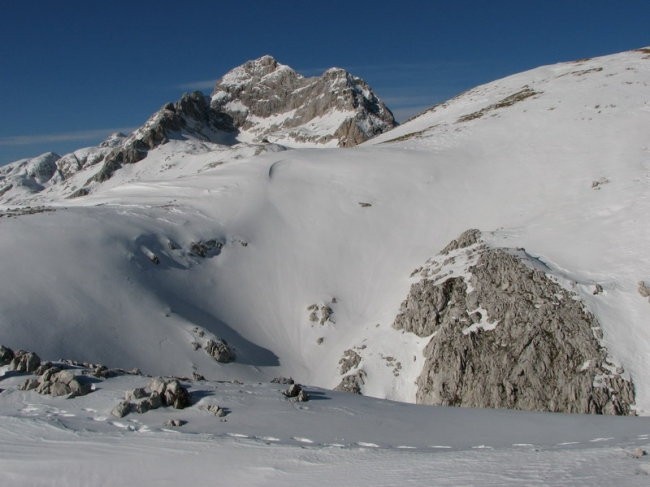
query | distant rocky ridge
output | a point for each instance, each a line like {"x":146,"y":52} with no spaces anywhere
{"x":270,"y":101}
{"x":506,"y":335}
{"x":259,"y":102}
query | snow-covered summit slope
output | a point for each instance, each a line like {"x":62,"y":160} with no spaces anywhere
{"x":270,"y":101}
{"x":308,"y":252}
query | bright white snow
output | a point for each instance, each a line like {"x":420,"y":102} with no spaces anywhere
{"x":79,"y":283}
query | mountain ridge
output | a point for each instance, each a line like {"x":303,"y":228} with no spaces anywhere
{"x":559,"y":168}
{"x":347,"y":112}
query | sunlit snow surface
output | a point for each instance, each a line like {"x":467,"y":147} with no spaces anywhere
{"x":335,"y":437}
{"x":342,"y":228}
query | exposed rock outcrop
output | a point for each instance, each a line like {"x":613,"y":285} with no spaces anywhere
{"x":57,"y":381}
{"x":158,"y":393}
{"x":349,"y":361}
{"x":296,"y":393}
{"x":506,"y":335}
{"x":192,"y":113}
{"x":24,"y":361}
{"x":220,"y":351}
{"x":352,"y":382}
{"x":272,"y":102}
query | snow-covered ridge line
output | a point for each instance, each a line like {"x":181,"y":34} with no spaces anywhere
{"x":258,"y":103}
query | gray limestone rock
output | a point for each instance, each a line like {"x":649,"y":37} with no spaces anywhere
{"x":352,"y":382}
{"x":175,"y":423}
{"x":29,"y":385}
{"x":296,"y":392}
{"x":137,"y":393}
{"x":25,"y":361}
{"x":264,"y":88}
{"x":122,"y":409}
{"x":220,"y":351}
{"x":165,"y":393}
{"x":60,"y":389}
{"x":218,"y":411}
{"x":349,"y":361}
{"x":176,"y":395}
{"x":467,"y":238}
{"x":516,"y":340}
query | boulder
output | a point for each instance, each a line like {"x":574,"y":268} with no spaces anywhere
{"x":175,"y":423}
{"x":220,"y":351}
{"x":122,"y":409}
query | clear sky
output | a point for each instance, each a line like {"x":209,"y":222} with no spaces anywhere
{"x":73,"y":71}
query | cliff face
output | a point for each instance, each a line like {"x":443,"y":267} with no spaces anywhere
{"x":270,"y":101}
{"x":506,"y":335}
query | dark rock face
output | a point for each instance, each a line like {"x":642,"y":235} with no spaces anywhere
{"x":263,"y":88}
{"x":191,"y":113}
{"x":6,"y":355}
{"x":509,"y":337}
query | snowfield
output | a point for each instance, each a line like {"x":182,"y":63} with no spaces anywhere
{"x":555,"y":160}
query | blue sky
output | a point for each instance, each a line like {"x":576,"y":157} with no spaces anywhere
{"x":73,"y":71}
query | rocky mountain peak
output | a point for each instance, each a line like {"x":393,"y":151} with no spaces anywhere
{"x":270,"y":101}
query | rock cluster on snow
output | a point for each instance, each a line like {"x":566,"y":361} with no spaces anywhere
{"x":322,"y":313}
{"x":352,"y":382}
{"x":158,"y":393}
{"x":505,"y":335}
{"x":216,"y":347}
{"x":216,"y":410}
{"x":53,"y":380}
{"x":349,"y":361}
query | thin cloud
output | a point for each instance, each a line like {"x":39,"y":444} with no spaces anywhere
{"x":76,"y":136}
{"x":198,"y":85}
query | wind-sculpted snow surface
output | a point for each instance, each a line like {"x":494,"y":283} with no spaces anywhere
{"x":506,"y":335}
{"x":129,"y":429}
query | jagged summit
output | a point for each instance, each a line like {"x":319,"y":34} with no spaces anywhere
{"x":270,"y":101}
{"x":259,"y":102}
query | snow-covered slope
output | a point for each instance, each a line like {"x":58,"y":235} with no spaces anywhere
{"x":265,"y":439}
{"x":313,"y":248}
